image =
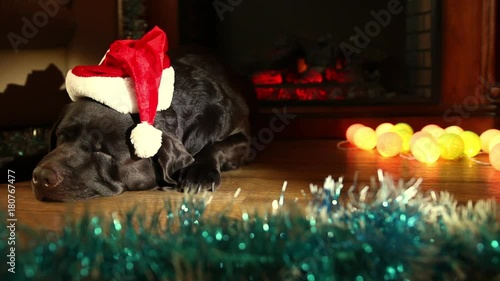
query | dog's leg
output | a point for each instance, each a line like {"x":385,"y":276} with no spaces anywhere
{"x":204,"y":173}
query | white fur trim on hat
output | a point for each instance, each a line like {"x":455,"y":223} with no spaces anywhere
{"x":117,"y":92}
{"x":146,"y":140}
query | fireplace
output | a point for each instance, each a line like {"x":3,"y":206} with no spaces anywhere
{"x":434,"y":62}
{"x":328,"y":52}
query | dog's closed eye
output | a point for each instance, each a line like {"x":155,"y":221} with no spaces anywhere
{"x":62,"y":138}
{"x":66,"y":134}
{"x":95,"y":139}
{"x":95,"y":146}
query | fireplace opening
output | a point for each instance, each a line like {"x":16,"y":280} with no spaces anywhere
{"x":324,"y":51}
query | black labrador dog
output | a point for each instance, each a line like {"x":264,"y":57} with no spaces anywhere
{"x":206,"y":130}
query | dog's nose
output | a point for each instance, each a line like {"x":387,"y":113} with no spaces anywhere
{"x":45,"y":178}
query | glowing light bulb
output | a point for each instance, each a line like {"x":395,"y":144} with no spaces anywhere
{"x":486,"y":137}
{"x":402,"y":127}
{"x":383,"y":128}
{"x":495,"y":157}
{"x":365,"y":138}
{"x":425,"y":149}
{"x":426,"y":128}
{"x":389,"y":144}
{"x":351,"y":130}
{"x":494,"y":141}
{"x":418,"y":135}
{"x":434,"y":130}
{"x":454,"y":130}
{"x":451,"y":146}
{"x":405,"y":136}
{"x":472,"y":143}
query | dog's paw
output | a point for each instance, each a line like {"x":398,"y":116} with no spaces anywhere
{"x":198,"y":177}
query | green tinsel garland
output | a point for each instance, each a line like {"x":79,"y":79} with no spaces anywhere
{"x":390,"y":231}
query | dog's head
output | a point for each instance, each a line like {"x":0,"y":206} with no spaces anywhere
{"x":91,"y":156}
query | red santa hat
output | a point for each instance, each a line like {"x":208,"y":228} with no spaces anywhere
{"x":135,"y":76}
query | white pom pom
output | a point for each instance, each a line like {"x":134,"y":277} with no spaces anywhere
{"x":146,"y":140}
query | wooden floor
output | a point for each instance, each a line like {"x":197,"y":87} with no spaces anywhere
{"x":298,"y":162}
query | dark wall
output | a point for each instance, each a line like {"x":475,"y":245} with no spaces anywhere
{"x":248,"y":31}
{"x":197,"y":23}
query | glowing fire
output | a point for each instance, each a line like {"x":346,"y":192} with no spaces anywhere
{"x":302,"y":83}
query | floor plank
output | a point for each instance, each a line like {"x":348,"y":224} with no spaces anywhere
{"x":297,"y":162}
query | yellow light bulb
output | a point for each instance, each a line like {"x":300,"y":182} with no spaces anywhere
{"x":405,"y":136}
{"x":494,"y":141}
{"x":495,"y":157}
{"x":434,"y":130}
{"x":430,"y":127}
{"x":472,"y":143}
{"x":402,"y":126}
{"x":351,"y":130}
{"x":389,"y":144}
{"x":451,"y":146}
{"x":425,"y":149}
{"x":486,"y":137}
{"x":418,"y":135}
{"x":454,"y":129}
{"x":383,"y":128}
{"x":365,"y":138}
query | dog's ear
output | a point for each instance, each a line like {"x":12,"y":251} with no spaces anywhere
{"x":172,"y":157}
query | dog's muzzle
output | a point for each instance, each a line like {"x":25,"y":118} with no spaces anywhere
{"x":43,"y":180}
